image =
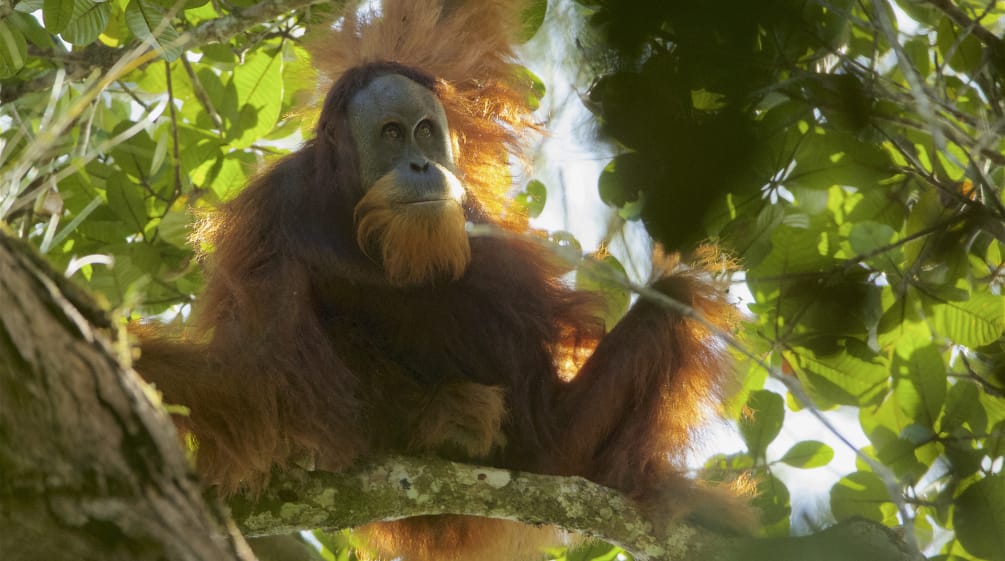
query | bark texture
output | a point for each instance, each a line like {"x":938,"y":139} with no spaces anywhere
{"x":89,"y":469}
{"x":394,"y":487}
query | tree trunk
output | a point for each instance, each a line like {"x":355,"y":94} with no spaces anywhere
{"x":88,"y":468}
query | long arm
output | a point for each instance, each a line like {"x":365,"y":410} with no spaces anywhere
{"x":629,"y":417}
{"x":250,"y":410}
{"x":257,"y":367}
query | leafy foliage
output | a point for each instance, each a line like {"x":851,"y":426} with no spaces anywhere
{"x":118,"y":167}
{"x":849,"y":153}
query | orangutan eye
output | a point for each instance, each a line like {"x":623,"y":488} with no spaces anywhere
{"x":424,"y":130}
{"x":392,"y":131}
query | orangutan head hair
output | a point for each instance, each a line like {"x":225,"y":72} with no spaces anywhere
{"x":484,"y":96}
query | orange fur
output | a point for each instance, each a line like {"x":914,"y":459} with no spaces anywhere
{"x":459,"y":538}
{"x":484,"y":97}
{"x":414,"y":243}
{"x":462,"y":420}
{"x":339,"y":322}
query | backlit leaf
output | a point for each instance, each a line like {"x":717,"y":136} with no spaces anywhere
{"x":980,"y":518}
{"x":861,"y":494}
{"x":88,"y":20}
{"x":533,"y":198}
{"x":56,"y":14}
{"x":974,"y":322}
{"x":259,"y":92}
{"x":147,"y":21}
{"x":808,"y":454}
{"x":13,"y":49}
{"x":762,"y":422}
{"x":920,"y":384}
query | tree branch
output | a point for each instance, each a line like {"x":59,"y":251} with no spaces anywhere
{"x":80,"y":62}
{"x":398,"y":487}
{"x":91,"y":468}
{"x":223,"y":28}
{"x":961,"y":19}
{"x":395,"y":487}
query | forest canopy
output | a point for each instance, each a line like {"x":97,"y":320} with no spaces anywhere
{"x":847,"y":159}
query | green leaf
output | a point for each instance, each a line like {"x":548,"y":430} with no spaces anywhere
{"x":762,"y":425}
{"x":922,"y":12}
{"x":135,"y":156}
{"x":874,"y":205}
{"x":853,"y":376}
{"x":773,"y":502}
{"x":920,"y":384}
{"x":120,"y":279}
{"x":995,"y":407}
{"x":704,"y":100}
{"x":917,"y":434}
{"x":217,"y":52}
{"x":125,"y":199}
{"x":202,"y":151}
{"x":31,"y":29}
{"x":594,"y":550}
{"x":962,"y":49}
{"x":615,"y":295}
{"x":117,"y":33}
{"x":531,"y":18}
{"x":918,"y":50}
{"x":886,"y":428}
{"x":300,"y":77}
{"x":28,"y":6}
{"x":793,"y":250}
{"x":871,"y":239}
{"x":259,"y":89}
{"x":56,"y":14}
{"x":861,"y":494}
{"x":844,"y":100}
{"x":975,"y":322}
{"x":808,"y":454}
{"x":902,"y":326}
{"x":567,"y":244}
{"x":533,"y":198}
{"x":145,"y":257}
{"x":13,"y":50}
{"x":147,"y":21}
{"x":751,"y":238}
{"x":828,"y":157}
{"x":620,"y":181}
{"x":232,"y":174}
{"x":980,"y":518}
{"x":87,"y":22}
{"x":175,"y":227}
{"x":962,"y":409}
{"x":536,"y":88}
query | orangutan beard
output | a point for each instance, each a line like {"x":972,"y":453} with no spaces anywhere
{"x":416,"y":242}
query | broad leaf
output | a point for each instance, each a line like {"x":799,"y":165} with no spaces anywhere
{"x":762,"y":423}
{"x":13,"y":49}
{"x":980,"y":518}
{"x":147,"y":21}
{"x":56,"y":14}
{"x":88,"y":20}
{"x":259,"y":94}
{"x":861,"y":494}
{"x":808,"y":454}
